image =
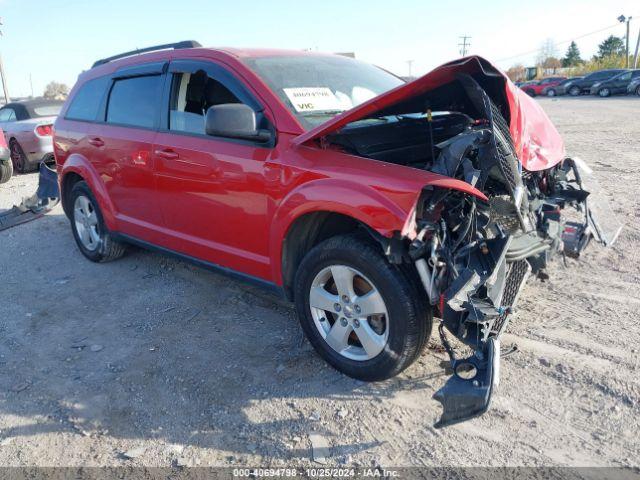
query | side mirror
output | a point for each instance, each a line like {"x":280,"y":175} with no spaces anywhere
{"x":234,"y":120}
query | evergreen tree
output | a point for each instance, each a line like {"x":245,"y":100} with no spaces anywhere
{"x":611,"y":46}
{"x":572,"y":57}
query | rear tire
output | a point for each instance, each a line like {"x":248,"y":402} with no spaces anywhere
{"x":551,"y":92}
{"x":6,"y":171}
{"x":575,"y":91}
{"x":530,"y":92}
{"x":19,"y":159}
{"x":399,"y":334}
{"x":638,"y":91}
{"x":604,"y":92}
{"x":89,"y":230}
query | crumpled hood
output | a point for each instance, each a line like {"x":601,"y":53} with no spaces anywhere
{"x":538,"y":144}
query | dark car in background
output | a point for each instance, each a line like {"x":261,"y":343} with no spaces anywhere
{"x":616,"y":85}
{"x":634,"y":87}
{"x":578,"y":87}
{"x":553,"y":90}
{"x":27,"y":129}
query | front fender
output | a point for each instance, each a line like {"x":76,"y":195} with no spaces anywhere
{"x":381,"y":209}
{"x":79,"y":165}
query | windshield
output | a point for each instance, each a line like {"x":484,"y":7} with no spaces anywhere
{"x":316,"y":88}
{"x":47,"y":110}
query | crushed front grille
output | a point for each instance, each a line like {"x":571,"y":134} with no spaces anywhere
{"x":516,"y":277}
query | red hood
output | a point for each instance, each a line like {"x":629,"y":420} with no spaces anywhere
{"x":538,"y":143}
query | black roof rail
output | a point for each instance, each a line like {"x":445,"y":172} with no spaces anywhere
{"x":166,"y":46}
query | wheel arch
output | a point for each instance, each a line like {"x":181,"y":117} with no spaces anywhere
{"x":77,"y":168}
{"x":310,"y":229}
{"x":323,"y":208}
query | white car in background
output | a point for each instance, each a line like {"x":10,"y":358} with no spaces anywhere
{"x":27,"y":129}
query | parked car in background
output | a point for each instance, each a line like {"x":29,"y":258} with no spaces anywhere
{"x":616,"y":85}
{"x":6,"y":167}
{"x":634,"y":87}
{"x":536,"y":88}
{"x":27,"y":129}
{"x":578,"y":87}
{"x":559,"y":88}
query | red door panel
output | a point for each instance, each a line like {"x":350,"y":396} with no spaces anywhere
{"x":123,"y":159}
{"x":213,"y":200}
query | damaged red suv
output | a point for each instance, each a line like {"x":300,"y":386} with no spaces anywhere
{"x":371,"y":203}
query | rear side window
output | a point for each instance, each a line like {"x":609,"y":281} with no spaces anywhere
{"x":134,"y":101}
{"x":86,"y":102}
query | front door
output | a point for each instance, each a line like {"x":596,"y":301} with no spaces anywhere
{"x":211,"y":190}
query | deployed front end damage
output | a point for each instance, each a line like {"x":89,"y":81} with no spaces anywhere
{"x":474,"y":252}
{"x":474,"y":256}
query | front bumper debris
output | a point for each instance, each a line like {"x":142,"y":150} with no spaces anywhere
{"x":467,"y":393}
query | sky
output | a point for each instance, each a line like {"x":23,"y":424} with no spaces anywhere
{"x":54,"y":40}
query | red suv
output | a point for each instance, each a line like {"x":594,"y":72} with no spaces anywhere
{"x":371,"y":203}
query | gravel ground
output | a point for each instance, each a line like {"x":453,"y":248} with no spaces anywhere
{"x":151,"y":361}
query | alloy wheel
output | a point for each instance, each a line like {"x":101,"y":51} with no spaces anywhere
{"x":349,"y":312}
{"x":604,"y":92}
{"x":551,"y":93}
{"x":86,"y":222}
{"x":17,"y":157}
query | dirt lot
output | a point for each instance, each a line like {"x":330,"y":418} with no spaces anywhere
{"x":151,"y":361}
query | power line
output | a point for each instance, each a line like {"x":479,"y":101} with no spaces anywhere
{"x":559,"y":43}
{"x":464,"y":46}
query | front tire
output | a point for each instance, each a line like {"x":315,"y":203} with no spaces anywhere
{"x":604,"y":92}
{"x":638,"y":91}
{"x":364,"y":316}
{"x":6,"y":171}
{"x":89,"y":230}
{"x":530,"y":92}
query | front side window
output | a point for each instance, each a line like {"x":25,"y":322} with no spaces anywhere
{"x":134,"y":101}
{"x":624,"y":77}
{"x":86,"y":103}
{"x":192,"y":94}
{"x":316,"y":88}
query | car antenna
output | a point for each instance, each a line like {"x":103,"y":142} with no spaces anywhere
{"x":430,"y":123}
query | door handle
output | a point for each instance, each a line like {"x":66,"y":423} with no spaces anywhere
{"x":167,"y":153}
{"x":96,"y":142}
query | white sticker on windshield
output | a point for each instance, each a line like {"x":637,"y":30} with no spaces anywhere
{"x":313,"y":99}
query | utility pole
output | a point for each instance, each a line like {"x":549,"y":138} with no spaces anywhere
{"x":635,"y":56}
{"x":464,"y":46}
{"x":410,"y":64}
{"x":623,"y":19}
{"x":2,"y":76}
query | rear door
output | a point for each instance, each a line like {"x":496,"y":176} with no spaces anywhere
{"x":211,"y":190}
{"x":121,"y":144}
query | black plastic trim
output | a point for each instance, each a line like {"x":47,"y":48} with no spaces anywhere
{"x":166,"y":46}
{"x":250,"y":279}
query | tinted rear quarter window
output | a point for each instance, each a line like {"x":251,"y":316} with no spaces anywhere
{"x":134,"y":101}
{"x":86,"y":102}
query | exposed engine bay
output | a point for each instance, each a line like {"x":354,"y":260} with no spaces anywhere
{"x":474,"y":256}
